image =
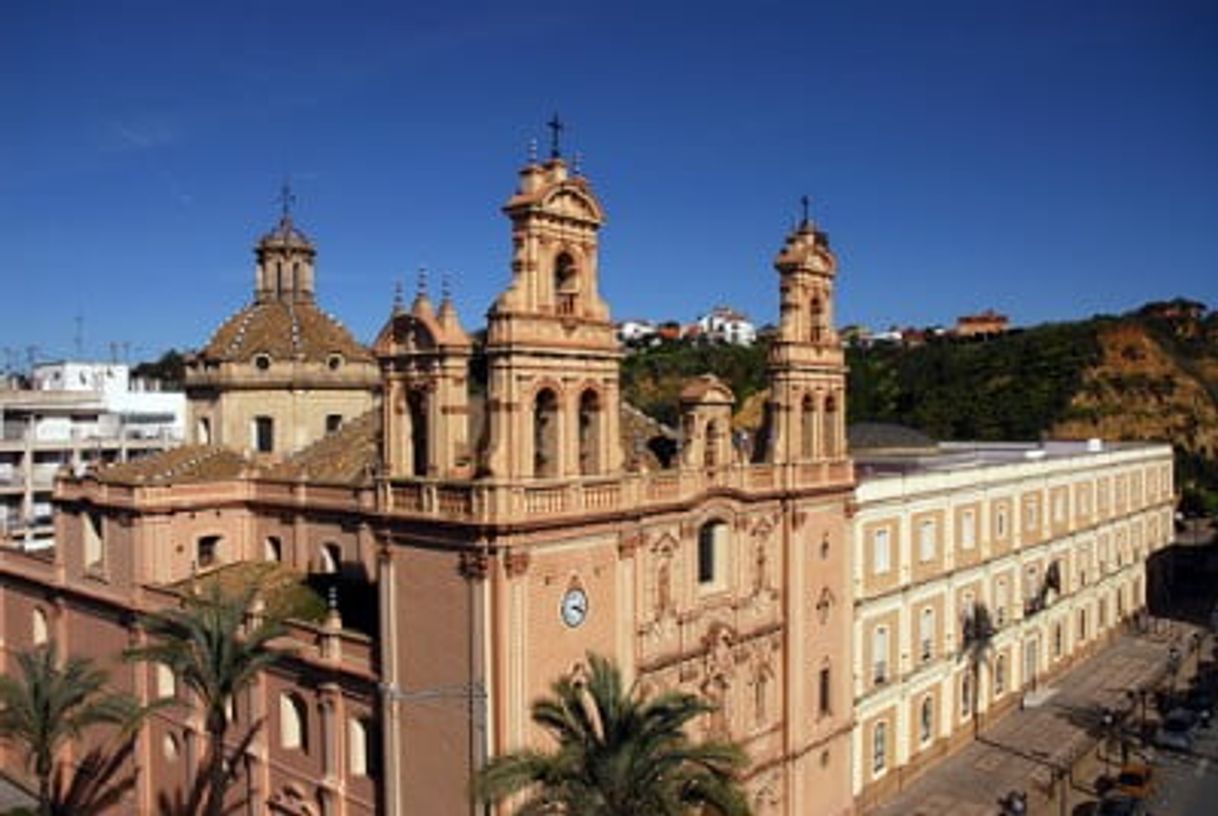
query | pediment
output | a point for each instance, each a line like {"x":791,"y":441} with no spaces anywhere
{"x":572,"y":202}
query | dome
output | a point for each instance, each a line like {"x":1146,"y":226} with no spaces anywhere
{"x":286,"y":234}
{"x":284,"y":331}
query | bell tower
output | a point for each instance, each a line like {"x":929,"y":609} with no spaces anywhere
{"x":553,"y":358}
{"x":285,"y":257}
{"x":806,"y":366}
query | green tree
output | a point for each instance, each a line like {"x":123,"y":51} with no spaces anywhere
{"x":978,"y":640}
{"x":215,"y":651}
{"x":48,"y":702}
{"x":618,"y":754}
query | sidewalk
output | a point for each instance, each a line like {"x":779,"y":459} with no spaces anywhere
{"x":1029,"y":749}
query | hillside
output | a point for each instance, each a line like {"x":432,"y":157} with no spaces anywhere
{"x":1151,"y":374}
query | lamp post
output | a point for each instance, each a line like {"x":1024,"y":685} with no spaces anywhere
{"x":1108,"y":719}
{"x":1173,"y":665}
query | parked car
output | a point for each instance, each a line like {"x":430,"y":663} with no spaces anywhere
{"x":1176,"y":731}
{"x":1121,"y":804}
{"x":1199,"y":699}
{"x":1135,"y":779}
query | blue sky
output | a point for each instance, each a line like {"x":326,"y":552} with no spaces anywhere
{"x":1050,"y":160}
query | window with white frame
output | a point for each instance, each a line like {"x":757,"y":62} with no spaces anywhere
{"x":968,"y":529}
{"x":966,"y":695}
{"x":1000,"y":675}
{"x":166,"y":681}
{"x":881,"y":551}
{"x":1001,"y":601}
{"x":358,"y":734}
{"x":1031,"y":513}
{"x":926,"y":540}
{"x":1000,"y":521}
{"x":926,"y":634}
{"x":879,"y":747}
{"x":879,"y":655}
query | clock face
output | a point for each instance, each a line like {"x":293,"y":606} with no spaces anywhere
{"x":574,"y":607}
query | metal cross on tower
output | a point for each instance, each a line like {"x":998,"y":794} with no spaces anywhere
{"x":286,"y":199}
{"x":556,"y":127}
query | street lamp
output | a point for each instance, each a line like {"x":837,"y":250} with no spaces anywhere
{"x":1108,"y":719}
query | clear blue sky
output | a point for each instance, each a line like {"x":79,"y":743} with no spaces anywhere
{"x":1049,"y":159}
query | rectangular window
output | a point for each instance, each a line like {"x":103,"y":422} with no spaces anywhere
{"x":1059,"y":508}
{"x":879,"y":747}
{"x":1000,"y":602}
{"x":264,"y":434}
{"x":333,"y":423}
{"x":880,"y":551}
{"x":825,"y":697}
{"x":968,"y":530}
{"x":95,"y":550}
{"x":1031,"y":516}
{"x":712,"y":547}
{"x":879,"y":655}
{"x":926,"y":634}
{"x":926,"y":540}
{"x":1000,"y":522}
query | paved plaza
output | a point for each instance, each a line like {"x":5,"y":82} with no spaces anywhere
{"x":1028,"y":748}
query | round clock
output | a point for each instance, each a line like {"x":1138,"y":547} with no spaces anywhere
{"x":574,"y":607}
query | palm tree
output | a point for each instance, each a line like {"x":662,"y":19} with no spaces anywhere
{"x":46,"y":704}
{"x":978,"y":640}
{"x":618,"y":754}
{"x":211,"y":650}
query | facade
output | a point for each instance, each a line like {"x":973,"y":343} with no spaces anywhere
{"x":1049,"y":540}
{"x":78,"y":414}
{"x":481,"y":517}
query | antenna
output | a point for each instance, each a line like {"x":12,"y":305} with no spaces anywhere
{"x":79,"y":338}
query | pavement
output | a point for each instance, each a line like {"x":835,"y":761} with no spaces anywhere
{"x":1048,"y":747}
{"x":12,"y":796}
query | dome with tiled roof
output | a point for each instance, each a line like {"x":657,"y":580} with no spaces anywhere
{"x":283,"y":330}
{"x":284,"y":321}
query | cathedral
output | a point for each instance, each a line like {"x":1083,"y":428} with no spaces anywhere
{"x":481,"y":516}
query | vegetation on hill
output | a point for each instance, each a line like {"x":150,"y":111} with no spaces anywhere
{"x":1151,"y":374}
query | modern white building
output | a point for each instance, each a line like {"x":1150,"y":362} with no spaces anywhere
{"x":77,"y":414}
{"x":1050,"y":539}
{"x":724,"y":324}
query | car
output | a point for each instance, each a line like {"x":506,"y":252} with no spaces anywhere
{"x":1199,"y":699}
{"x":1135,"y":779}
{"x":1121,"y":804}
{"x":1176,"y":731}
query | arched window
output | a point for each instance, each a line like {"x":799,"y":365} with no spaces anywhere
{"x":207,"y":551}
{"x":39,"y":629}
{"x":545,"y":433}
{"x":926,"y":719}
{"x":828,"y":436}
{"x":589,"y":432}
{"x":416,"y":403}
{"x":807,"y":427}
{"x":331,"y":558}
{"x":712,"y":549}
{"x":879,"y":747}
{"x":272,"y":549}
{"x":710,"y":452}
{"x":95,"y":551}
{"x":166,"y":682}
{"x":359,"y":734}
{"x":204,"y":431}
{"x":293,"y":722}
{"x":566,"y":283}
{"x":816,"y":319}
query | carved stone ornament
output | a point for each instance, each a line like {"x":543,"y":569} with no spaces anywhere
{"x":291,"y":801}
{"x":516,"y":562}
{"x":824,"y":605}
{"x":628,"y":544}
{"x":474,"y":565}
